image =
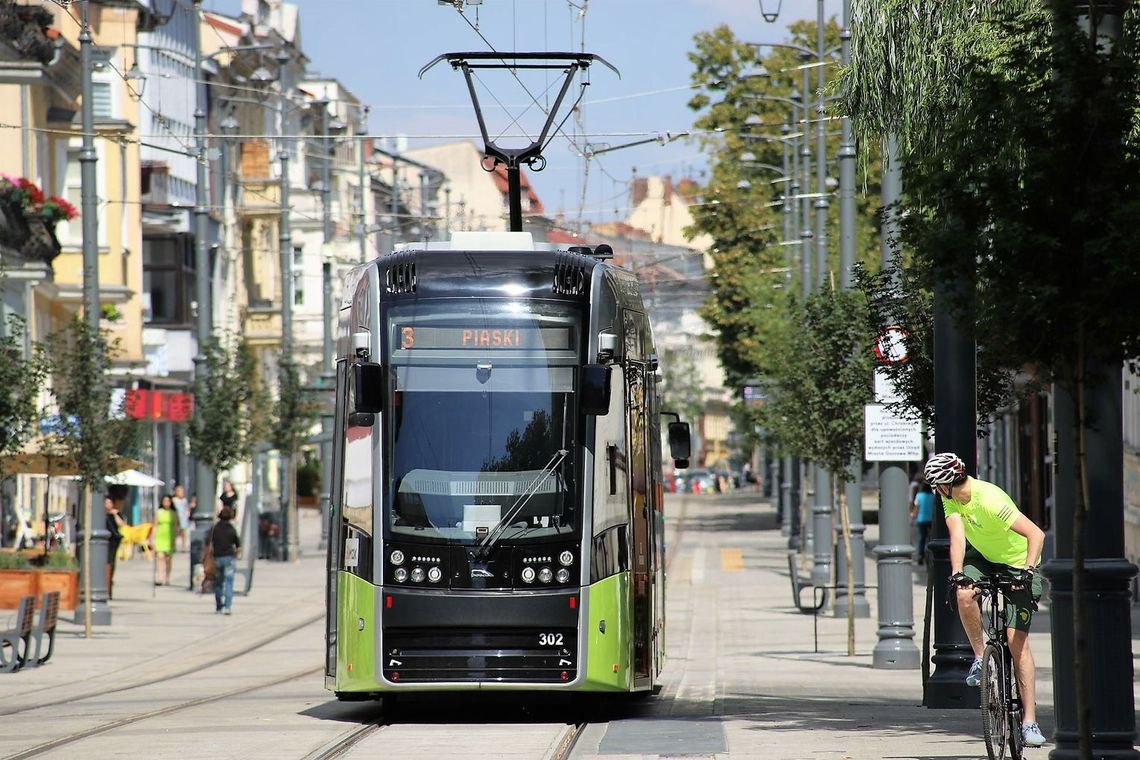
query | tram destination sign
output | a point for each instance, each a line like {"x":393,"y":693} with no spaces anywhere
{"x":482,"y":338}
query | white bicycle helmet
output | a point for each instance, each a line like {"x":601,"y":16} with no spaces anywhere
{"x":944,"y":469}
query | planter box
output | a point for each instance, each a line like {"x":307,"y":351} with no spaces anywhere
{"x":36,"y":581}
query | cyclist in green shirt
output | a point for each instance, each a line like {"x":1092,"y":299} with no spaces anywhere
{"x":989,"y":536}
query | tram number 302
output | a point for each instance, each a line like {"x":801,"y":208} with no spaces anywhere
{"x":550,"y":639}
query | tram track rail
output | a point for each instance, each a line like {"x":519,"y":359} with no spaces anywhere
{"x":163,"y":676}
{"x":565,"y":742}
{"x":131,"y":720}
{"x":340,"y":745}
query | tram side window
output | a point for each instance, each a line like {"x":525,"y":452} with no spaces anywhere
{"x":356,"y":492}
{"x":609,"y":550}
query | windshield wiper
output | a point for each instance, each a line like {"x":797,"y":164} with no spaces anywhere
{"x":489,"y":541}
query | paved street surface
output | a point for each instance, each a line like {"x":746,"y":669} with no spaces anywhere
{"x":170,"y":679}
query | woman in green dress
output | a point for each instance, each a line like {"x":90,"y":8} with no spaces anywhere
{"x":165,"y":531}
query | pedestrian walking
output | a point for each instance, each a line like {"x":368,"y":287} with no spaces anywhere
{"x":990,"y":536}
{"x":226,"y":545}
{"x":113,"y":520}
{"x":229,"y":496}
{"x":923,"y":514}
{"x":181,"y":508}
{"x":166,"y":526}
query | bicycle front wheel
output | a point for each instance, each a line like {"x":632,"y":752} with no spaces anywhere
{"x":1015,"y":711}
{"x":995,"y":719}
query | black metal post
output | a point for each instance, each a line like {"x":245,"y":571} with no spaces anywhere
{"x":955,"y":410}
{"x":1107,"y":578}
{"x":514,"y":192}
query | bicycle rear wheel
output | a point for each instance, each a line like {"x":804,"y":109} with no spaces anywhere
{"x":995,"y":719}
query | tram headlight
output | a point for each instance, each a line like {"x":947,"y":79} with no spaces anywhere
{"x":434,"y":574}
{"x":417,"y":575}
{"x":545,"y":575}
{"x":566,"y":558}
{"x":400,"y":574}
{"x":563,"y":575}
{"x":528,"y":575}
{"x":396,"y":557}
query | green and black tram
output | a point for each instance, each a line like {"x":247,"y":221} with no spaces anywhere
{"x":497,"y":514}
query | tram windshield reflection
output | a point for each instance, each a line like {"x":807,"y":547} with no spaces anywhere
{"x":482,"y":396}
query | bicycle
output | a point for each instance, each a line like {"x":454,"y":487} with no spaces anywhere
{"x":1001,"y":701}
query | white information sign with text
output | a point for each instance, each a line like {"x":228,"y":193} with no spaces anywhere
{"x":885,"y":390}
{"x":890,"y":438}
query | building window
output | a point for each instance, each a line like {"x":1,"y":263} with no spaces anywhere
{"x":168,"y":278}
{"x":102,"y":104}
{"x":298,"y":276}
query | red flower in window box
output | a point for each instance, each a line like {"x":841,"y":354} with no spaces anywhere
{"x":56,"y":209}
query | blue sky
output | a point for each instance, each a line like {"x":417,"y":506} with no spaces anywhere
{"x":376,"y":47}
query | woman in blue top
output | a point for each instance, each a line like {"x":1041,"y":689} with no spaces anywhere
{"x":923,"y":514}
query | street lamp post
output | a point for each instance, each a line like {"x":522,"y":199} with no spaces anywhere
{"x":94,"y":542}
{"x":790,"y":510}
{"x":285,"y":259}
{"x":895,"y":649}
{"x":853,"y":491}
{"x":329,"y":127}
{"x":203,"y":476}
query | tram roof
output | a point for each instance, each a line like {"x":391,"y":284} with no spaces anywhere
{"x":462,"y":240}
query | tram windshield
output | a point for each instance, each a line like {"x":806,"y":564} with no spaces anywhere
{"x":482,"y":409}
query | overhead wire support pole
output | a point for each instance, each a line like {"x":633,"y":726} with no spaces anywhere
{"x":204,"y":486}
{"x":513,"y":158}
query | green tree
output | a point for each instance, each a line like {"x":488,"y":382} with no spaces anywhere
{"x":91,"y":433}
{"x":91,"y":430}
{"x":21,"y":376}
{"x":1020,"y":147}
{"x":907,"y":303}
{"x":229,"y":404}
{"x":294,"y":415}
{"x":740,"y":117}
{"x":683,"y":390}
{"x":821,"y":382}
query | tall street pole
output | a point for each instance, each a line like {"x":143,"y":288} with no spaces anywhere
{"x":1108,"y":727}
{"x":853,"y":491}
{"x":93,"y":605}
{"x":327,"y":376}
{"x":362,"y":131}
{"x":203,"y":476}
{"x":820,"y":575}
{"x":285,"y":254}
{"x":955,"y":409}
{"x":895,"y":649}
{"x":790,"y":522}
{"x":822,"y":549}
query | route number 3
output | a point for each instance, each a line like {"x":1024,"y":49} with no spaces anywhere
{"x":550,"y":639}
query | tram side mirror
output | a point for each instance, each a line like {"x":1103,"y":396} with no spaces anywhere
{"x":680,"y":443}
{"x":594,"y":387}
{"x":368,"y":398}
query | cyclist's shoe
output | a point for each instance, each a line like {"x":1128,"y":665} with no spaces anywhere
{"x":1031,"y":733}
{"x":974,"y":677}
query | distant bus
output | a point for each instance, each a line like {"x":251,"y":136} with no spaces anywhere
{"x":497,"y":514}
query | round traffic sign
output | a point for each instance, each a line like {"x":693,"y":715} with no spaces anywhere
{"x":890,"y":347}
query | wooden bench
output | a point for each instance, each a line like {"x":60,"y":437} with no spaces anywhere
{"x":802,"y":583}
{"x":14,"y":658}
{"x":49,"y":614}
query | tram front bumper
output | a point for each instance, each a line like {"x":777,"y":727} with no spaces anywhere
{"x":435,"y":637}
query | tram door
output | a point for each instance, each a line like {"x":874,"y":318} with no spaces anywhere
{"x":637,"y":378}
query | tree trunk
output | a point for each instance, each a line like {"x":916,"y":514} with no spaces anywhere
{"x":87,"y":561}
{"x":845,"y":523}
{"x":1080,"y":644}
